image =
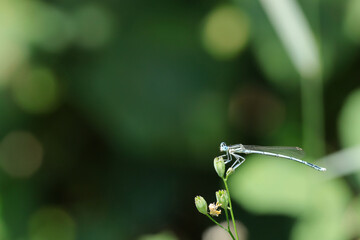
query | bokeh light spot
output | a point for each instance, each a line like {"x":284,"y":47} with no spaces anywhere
{"x":11,"y":57}
{"x":225,"y":32}
{"x":216,"y":233}
{"x":325,"y":217}
{"x":51,"y":223}
{"x":54,"y":28}
{"x":349,"y":121}
{"x":94,"y":26}
{"x":329,"y":229}
{"x":160,"y":236}
{"x":272,"y":185}
{"x":279,"y":69}
{"x":20,"y":154}
{"x":13,"y":45}
{"x":36,"y":90}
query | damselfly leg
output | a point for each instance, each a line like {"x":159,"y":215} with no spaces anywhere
{"x":227,"y":159}
{"x":237,"y":162}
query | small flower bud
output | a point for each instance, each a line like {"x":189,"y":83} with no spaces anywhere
{"x":229,"y":172}
{"x":201,"y":204}
{"x":219,"y":166}
{"x":223,"y":198}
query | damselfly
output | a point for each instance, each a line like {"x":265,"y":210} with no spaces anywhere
{"x":291,"y":153}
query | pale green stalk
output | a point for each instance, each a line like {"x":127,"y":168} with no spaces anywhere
{"x":228,"y":224}
{"x":231,"y":209}
{"x":228,"y":230}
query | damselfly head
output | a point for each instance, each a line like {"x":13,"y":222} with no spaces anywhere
{"x":223,"y":147}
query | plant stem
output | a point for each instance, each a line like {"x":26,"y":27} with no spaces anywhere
{"x":228,"y":230}
{"x":227,"y":219}
{"x":216,"y":222}
{"x":231,"y":209}
{"x":232,"y":236}
{"x":228,"y":223}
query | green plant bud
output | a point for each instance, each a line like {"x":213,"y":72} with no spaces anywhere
{"x":201,"y":204}
{"x":219,"y":166}
{"x":223,"y":198}
{"x":229,"y":172}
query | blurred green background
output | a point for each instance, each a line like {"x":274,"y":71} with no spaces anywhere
{"x":111,"y":113}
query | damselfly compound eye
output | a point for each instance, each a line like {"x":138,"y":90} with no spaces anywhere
{"x":223,"y":147}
